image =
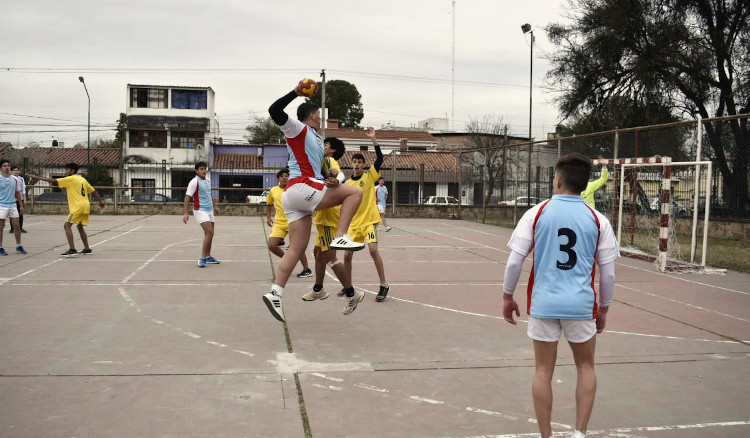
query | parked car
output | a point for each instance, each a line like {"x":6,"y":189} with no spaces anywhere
{"x":441,"y":200}
{"x":151,"y":197}
{"x":61,"y":196}
{"x":257,"y":199}
{"x":521,"y":201}
{"x":677,"y":209}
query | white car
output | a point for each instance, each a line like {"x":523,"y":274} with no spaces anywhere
{"x":441,"y":200}
{"x":257,"y":199}
{"x":522,"y":201}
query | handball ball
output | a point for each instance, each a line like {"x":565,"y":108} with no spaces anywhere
{"x":308,"y":87}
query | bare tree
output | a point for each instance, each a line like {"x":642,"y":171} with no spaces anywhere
{"x":489,"y":142}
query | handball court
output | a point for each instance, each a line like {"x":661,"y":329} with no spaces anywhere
{"x":137,"y":341}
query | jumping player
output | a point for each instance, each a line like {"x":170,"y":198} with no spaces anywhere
{"x":306,"y":192}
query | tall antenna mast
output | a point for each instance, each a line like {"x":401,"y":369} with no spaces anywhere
{"x":453,"y":68}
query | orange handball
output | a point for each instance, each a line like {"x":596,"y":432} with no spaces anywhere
{"x":308,"y":87}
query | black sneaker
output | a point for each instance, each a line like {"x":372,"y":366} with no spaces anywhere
{"x":382,"y":293}
{"x":305,"y":273}
{"x":70,"y":253}
{"x":86,"y":251}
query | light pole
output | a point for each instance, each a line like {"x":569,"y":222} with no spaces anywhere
{"x":88,"y":140}
{"x":526,"y":28}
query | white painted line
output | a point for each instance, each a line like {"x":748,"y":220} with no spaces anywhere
{"x":494,"y":414}
{"x":323,"y":376}
{"x":371,"y":388}
{"x":427,"y":400}
{"x":333,"y":388}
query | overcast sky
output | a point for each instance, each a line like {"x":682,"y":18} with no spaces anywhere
{"x":398,"y":53}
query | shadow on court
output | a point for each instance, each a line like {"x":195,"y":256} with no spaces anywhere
{"x":136,"y":340}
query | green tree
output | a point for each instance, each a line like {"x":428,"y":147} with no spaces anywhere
{"x":98,"y":176}
{"x":122,"y":127}
{"x":264,"y":131}
{"x":343,"y":102}
{"x":690,"y":56}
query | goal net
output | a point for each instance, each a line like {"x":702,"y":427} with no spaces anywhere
{"x":659,"y":207}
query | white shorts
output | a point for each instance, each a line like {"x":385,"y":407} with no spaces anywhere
{"x":300,"y":199}
{"x":203,"y":216}
{"x":381,"y":208}
{"x":8,"y":212}
{"x":549,"y":330}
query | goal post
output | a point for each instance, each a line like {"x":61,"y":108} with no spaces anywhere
{"x":654,"y":219}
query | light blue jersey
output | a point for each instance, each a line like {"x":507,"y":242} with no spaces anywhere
{"x":568,"y":238}
{"x":8,"y":188}
{"x":200,"y":190}
{"x":306,"y":152}
{"x":382,"y":192}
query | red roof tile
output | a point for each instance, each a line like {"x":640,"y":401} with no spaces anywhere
{"x":433,"y":161}
{"x":223,"y":160}
{"x":383,"y":134}
{"x":57,"y":157}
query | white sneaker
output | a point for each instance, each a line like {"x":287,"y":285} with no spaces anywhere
{"x":387,"y":229}
{"x":345,"y":242}
{"x":312,"y":295}
{"x":351,"y":302}
{"x":273,"y":302}
{"x":577,"y":434}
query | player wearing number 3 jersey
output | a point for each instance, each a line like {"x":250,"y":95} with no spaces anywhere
{"x":568,"y":238}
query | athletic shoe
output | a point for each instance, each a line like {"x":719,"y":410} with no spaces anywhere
{"x":212,"y":261}
{"x":20,"y":249}
{"x":202,"y":262}
{"x":70,"y":253}
{"x":312,"y":295}
{"x":305,"y":273}
{"x":3,"y":252}
{"x":86,"y":251}
{"x":10,"y":231}
{"x":351,"y":302}
{"x":382,"y":293}
{"x":387,"y":229}
{"x":341,"y":293}
{"x":576,"y":434}
{"x":23,"y":231}
{"x":273,"y":302}
{"x":345,"y":242}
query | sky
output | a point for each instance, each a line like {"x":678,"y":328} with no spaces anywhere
{"x":407,"y":58}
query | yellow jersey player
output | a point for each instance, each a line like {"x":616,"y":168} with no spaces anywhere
{"x":363,"y":227}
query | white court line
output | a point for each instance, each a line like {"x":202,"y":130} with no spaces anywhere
{"x":148,"y":262}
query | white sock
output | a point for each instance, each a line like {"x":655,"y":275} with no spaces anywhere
{"x":278,"y":290}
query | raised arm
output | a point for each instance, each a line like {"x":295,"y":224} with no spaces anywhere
{"x":370,"y":132}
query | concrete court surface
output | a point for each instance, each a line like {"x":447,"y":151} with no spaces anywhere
{"x":137,"y":341}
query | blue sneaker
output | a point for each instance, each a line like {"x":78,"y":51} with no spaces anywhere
{"x":2,"y":252}
{"x":20,"y":249}
{"x":202,"y":262}
{"x":212,"y":261}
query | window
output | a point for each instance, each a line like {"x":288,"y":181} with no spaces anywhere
{"x":189,"y":99}
{"x":142,"y":182}
{"x":186,"y":140}
{"x":148,"y":139}
{"x":148,"y":98}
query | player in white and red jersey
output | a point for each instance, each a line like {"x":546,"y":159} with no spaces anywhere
{"x":568,"y":239}
{"x":307,"y":191}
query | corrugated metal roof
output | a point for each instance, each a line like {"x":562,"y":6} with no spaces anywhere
{"x":182,"y":87}
{"x":57,"y":157}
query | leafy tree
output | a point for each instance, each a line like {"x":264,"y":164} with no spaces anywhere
{"x":690,"y":56}
{"x":490,"y":136}
{"x":343,"y":102}
{"x":264,"y":131}
{"x":122,"y":128}
{"x":98,"y":176}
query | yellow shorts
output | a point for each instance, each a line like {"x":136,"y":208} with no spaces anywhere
{"x":78,"y":218}
{"x":279,"y":230}
{"x":325,"y":236}
{"x":364,"y":234}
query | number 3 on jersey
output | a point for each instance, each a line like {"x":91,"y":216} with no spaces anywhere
{"x":568,"y":249}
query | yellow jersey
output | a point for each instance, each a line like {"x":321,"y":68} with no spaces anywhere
{"x":274,"y":198}
{"x":329,"y":216}
{"x":367,"y":213}
{"x":78,"y":190}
